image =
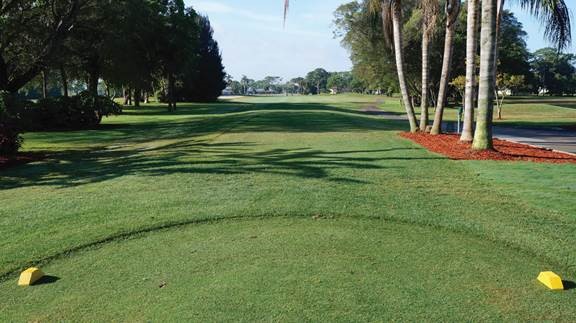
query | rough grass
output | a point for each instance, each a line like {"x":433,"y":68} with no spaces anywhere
{"x":295,"y":158}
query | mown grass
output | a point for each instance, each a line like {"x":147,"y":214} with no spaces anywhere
{"x":291,"y":269}
{"x":516,"y":111}
{"x":295,"y":158}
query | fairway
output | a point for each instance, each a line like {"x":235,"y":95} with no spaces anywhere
{"x":279,"y":208}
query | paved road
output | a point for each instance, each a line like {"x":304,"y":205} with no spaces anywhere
{"x":552,"y":138}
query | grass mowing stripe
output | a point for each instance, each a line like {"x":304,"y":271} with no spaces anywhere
{"x":296,"y":156}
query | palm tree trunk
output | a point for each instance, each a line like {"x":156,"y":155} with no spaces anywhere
{"x":471,"y":47}
{"x":451,"y":22}
{"x":399,"y":53}
{"x":425,"y":81}
{"x":483,"y":134}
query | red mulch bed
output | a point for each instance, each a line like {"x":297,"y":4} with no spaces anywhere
{"x":450,"y":146}
{"x":20,"y":159}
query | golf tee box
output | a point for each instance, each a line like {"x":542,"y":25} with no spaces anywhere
{"x":551,"y":280}
{"x":30,"y":276}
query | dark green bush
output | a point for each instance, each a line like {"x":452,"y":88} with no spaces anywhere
{"x":10,"y":139}
{"x":63,"y":113}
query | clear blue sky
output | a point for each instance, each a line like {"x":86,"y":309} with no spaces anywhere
{"x":254,"y":42}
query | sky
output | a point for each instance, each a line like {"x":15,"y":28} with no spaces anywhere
{"x":255,"y":43}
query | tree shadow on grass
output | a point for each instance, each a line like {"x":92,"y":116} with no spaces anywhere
{"x":257,"y":120}
{"x":72,"y":169}
{"x":213,"y":109}
{"x":181,"y":147}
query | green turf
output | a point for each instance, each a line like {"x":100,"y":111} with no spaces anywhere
{"x":290,"y":269}
{"x":295,"y":158}
{"x":517,"y":111}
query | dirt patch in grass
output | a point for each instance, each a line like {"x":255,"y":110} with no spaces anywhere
{"x":19,"y":159}
{"x":450,"y":146}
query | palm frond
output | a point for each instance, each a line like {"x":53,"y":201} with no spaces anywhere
{"x":555,"y":16}
{"x":386,"y":8}
{"x":286,"y":7}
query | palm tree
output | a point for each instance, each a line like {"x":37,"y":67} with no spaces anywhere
{"x":452,"y":13}
{"x":471,"y":46}
{"x":429,"y":17}
{"x":391,"y":12}
{"x":553,"y":14}
{"x":483,"y":134}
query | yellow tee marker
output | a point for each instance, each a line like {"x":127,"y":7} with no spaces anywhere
{"x":30,"y":276}
{"x":551,"y":280}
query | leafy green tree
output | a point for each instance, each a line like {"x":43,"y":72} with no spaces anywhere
{"x":131,"y":49}
{"x":341,"y":81}
{"x":507,"y":84}
{"x":555,"y":72}
{"x":31,"y":33}
{"x":178,"y":45}
{"x":205,"y":79}
{"x":236,"y":87}
{"x":299,"y":84}
{"x":459,"y":83}
{"x":317,"y":80}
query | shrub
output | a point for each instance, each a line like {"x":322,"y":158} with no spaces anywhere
{"x":62,"y":113}
{"x":10,"y":140}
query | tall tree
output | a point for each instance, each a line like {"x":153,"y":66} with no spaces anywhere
{"x":204,"y":81}
{"x":391,"y":11}
{"x":556,"y":17}
{"x":178,"y":45}
{"x":429,"y":17}
{"x":452,"y":9}
{"x":483,"y":134}
{"x":555,"y":72}
{"x":30,"y":34}
{"x":470,"y":91}
{"x":318,"y":78}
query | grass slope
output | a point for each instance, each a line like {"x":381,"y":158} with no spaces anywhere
{"x":296,"y":157}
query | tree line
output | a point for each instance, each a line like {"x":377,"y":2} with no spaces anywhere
{"x":130,"y":48}
{"x":315,"y":82}
{"x":138,"y":46}
{"x":393,"y":42}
